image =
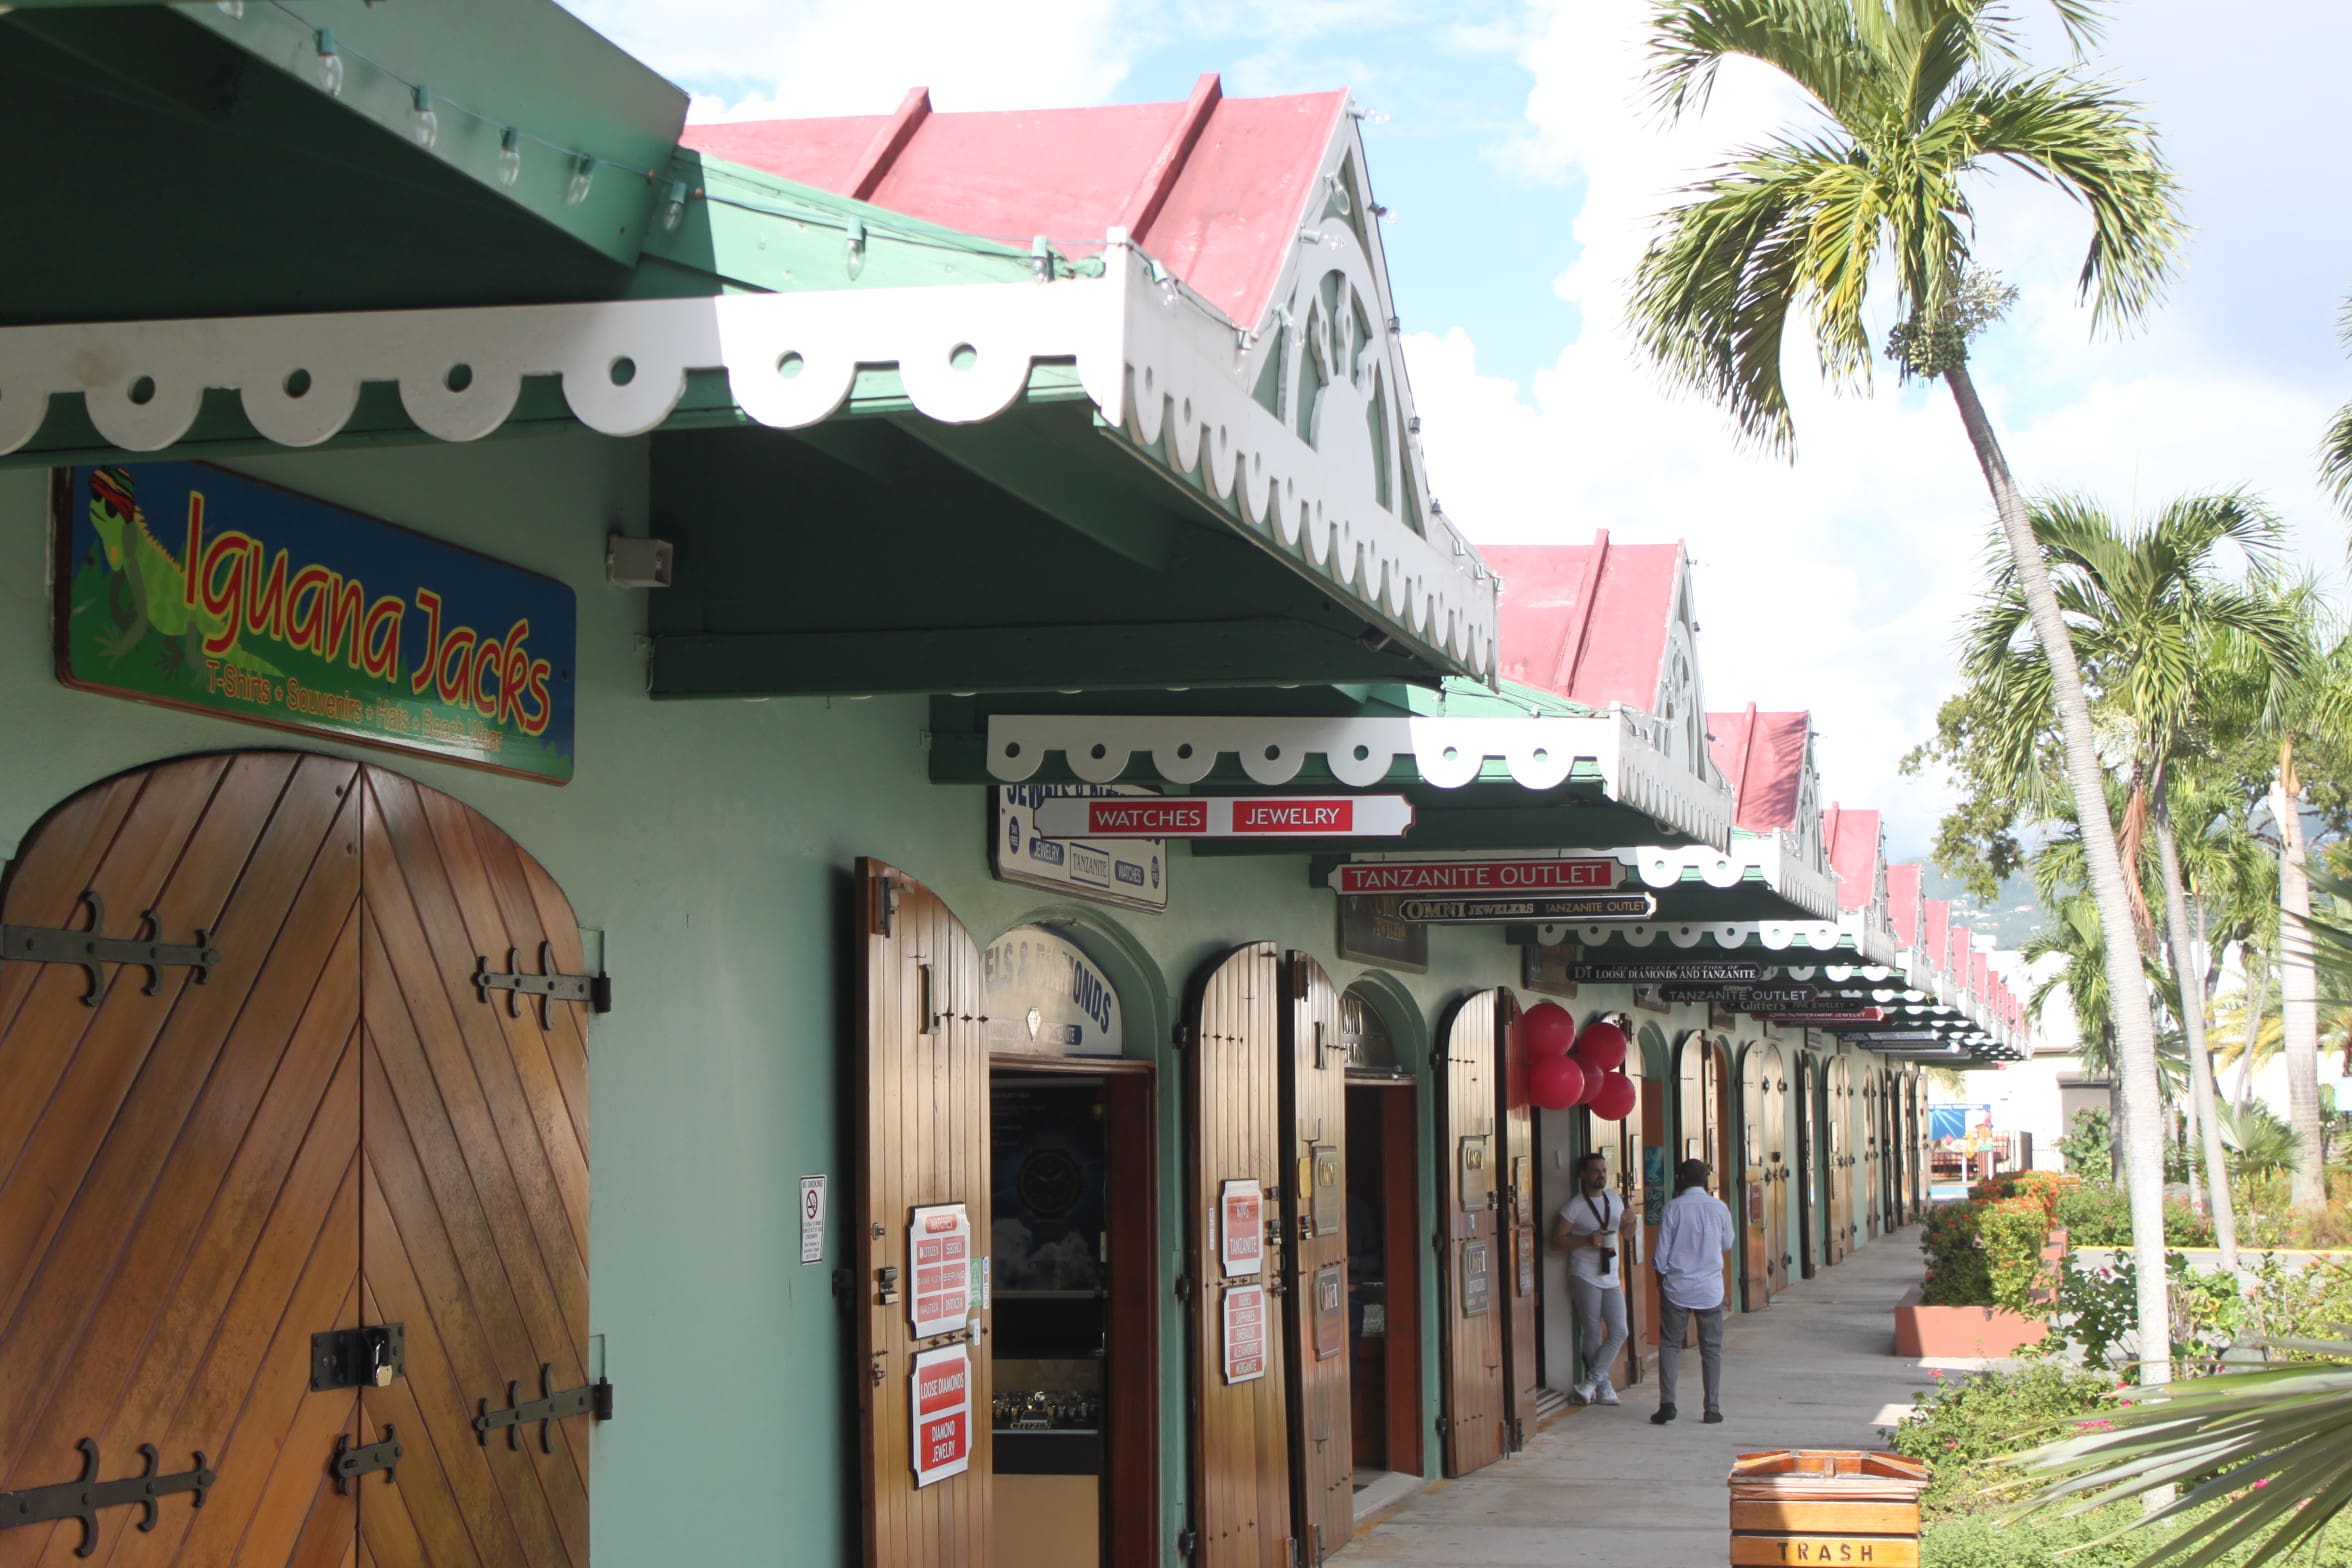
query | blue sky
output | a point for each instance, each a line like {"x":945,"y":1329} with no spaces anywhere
{"x":1522,"y":170}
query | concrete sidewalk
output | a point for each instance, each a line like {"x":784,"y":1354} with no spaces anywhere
{"x":1815,"y":1370}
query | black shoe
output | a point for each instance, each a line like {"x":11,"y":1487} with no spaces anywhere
{"x":1664,"y":1415}
{"x":1713,"y":1418}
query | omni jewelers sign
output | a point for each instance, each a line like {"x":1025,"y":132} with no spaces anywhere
{"x":192,"y":587}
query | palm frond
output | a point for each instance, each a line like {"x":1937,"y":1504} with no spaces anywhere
{"x":2275,"y":1444}
{"x":2335,"y":459}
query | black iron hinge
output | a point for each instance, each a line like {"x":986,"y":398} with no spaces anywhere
{"x":547,"y":985}
{"x":1184,"y":1287}
{"x":1187,"y":1541}
{"x":589,"y":1399}
{"x":81,"y":1499}
{"x":1182,"y":1036}
{"x":353,"y":1461}
{"x":89,"y":948}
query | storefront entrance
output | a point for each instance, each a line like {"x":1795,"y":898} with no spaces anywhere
{"x":1384,"y":1255}
{"x":296,"y":1212}
{"x":1764,"y":1169}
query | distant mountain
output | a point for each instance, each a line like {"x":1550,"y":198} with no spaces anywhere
{"x":2011,"y":917}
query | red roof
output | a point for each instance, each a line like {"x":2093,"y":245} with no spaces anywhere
{"x":1903,"y":901}
{"x":1587,"y":621}
{"x":1215,"y":188}
{"x":1935,"y":919}
{"x":1763,"y":757}
{"x":1853,"y":854}
{"x":1963,"y":946}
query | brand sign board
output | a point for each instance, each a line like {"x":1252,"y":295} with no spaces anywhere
{"x":1371,"y":932}
{"x":1476,"y":878}
{"x":1245,"y":1332}
{"x":1330,"y":1311}
{"x":192,"y":587}
{"x":1227,"y":816}
{"x":1748,"y":997}
{"x":1692,"y":971}
{"x":1241,"y":1227}
{"x":1855,"y":1015}
{"x":1894,"y":1036}
{"x":1550,"y":970}
{"x":1131,"y":872}
{"x":1477,"y":1278}
{"x":1487,"y":911}
{"x":939,"y":1253}
{"x":1043,"y":994}
{"x":941,"y":1395}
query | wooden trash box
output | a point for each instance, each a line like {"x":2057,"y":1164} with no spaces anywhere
{"x":1837,"y":1506}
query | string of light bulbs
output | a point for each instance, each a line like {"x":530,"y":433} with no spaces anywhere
{"x":424,"y":129}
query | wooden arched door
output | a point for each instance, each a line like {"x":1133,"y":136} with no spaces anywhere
{"x":312,"y":1108}
{"x":1805,"y":1084}
{"x":1704,"y":1127}
{"x":1778,"y":1167}
{"x":1753,"y":1200}
{"x":1473,"y":1279}
{"x":1236,"y":1270}
{"x":1314,"y":1104}
{"x":1840,"y":1116}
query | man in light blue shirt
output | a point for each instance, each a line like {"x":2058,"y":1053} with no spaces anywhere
{"x":1694,"y":1236}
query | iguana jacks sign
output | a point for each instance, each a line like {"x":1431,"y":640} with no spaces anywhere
{"x":187,"y":585}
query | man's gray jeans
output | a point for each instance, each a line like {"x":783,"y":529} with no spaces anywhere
{"x":1671,"y":1320}
{"x":1600,"y":1322}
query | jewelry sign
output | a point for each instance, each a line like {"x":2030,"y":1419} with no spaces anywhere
{"x":1490,"y":911}
{"x":1475,"y":878}
{"x":942,"y":1398}
{"x":939,"y":1252}
{"x":1241,"y":1237}
{"x":192,"y":587}
{"x":1245,"y":1333}
{"x":1228,"y":816}
{"x":1695,"y":971}
{"x":1132,"y":872}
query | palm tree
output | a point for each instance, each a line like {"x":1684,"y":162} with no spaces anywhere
{"x":2167,"y":642}
{"x":1919,"y":101}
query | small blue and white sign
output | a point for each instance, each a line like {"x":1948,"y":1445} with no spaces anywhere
{"x":1128,"y":871}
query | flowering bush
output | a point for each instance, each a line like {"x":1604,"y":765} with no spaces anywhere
{"x":1985,"y":1253}
{"x":1958,"y":1427}
{"x":2101,"y":1217}
{"x":2044,"y":1187}
{"x":2097,"y":1312}
{"x":1957,"y":1275}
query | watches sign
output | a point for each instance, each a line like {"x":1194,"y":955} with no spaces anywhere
{"x":193,"y":587}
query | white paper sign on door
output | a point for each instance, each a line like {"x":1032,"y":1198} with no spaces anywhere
{"x":1241,"y":1221}
{"x":939,"y":1252}
{"x":942,"y":1400}
{"x":812,"y":1219}
{"x":1245,"y":1333}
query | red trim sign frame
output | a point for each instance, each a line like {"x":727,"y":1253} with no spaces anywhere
{"x":1245,"y":1333}
{"x":1241,"y":1228}
{"x":1475,"y":878}
{"x":1227,"y":816}
{"x":940,"y":1394}
{"x":939,"y":1269}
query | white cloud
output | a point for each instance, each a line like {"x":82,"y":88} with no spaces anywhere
{"x":794,"y":58}
{"x":1836,"y":584}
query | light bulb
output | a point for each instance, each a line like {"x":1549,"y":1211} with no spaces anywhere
{"x":854,"y":249}
{"x":510,"y":157}
{"x":675,"y":209}
{"x":583,"y":176}
{"x":330,"y":65}
{"x":424,"y":127}
{"x":234,"y":10}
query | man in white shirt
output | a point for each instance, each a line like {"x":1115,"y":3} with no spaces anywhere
{"x":1694,"y":1236}
{"x":1592,"y":1229}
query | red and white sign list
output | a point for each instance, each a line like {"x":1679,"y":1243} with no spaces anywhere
{"x":1226,"y":816}
{"x":939,"y":1259}
{"x":1475,"y":878}
{"x":1245,"y":1333}
{"x":1241,"y":1236}
{"x":942,"y":1398}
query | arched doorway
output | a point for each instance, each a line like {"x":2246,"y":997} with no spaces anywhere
{"x":1838,"y":1117}
{"x":1705,"y":1116}
{"x":1384,"y":1234}
{"x":350,"y":1095}
{"x":1806,"y":1081}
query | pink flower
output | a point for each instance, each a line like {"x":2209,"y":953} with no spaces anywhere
{"x":2265,"y":1481}
{"x":1935,"y":1372}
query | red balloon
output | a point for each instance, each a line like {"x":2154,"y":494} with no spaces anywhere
{"x":1556,"y":1083}
{"x":1615,"y":1097}
{"x":1546,"y":1029}
{"x":1602,"y":1046}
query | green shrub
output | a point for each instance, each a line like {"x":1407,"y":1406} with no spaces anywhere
{"x":2013,"y":1233}
{"x":2311,"y":1302}
{"x":2097,"y":1310}
{"x":2101,"y":1217}
{"x":1961,"y":1425}
{"x":2045,"y":1187}
{"x":1957,"y":1274}
{"x":2088,"y":1148}
{"x":1989,"y":1540}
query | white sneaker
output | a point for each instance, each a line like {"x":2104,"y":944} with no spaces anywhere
{"x":1605,"y":1395}
{"x":1582,"y":1393}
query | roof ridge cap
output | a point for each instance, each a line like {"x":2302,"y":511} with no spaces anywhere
{"x":888,"y":142}
{"x":1572,"y":647}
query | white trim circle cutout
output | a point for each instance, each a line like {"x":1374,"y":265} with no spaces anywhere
{"x":1160,"y":368}
{"x":1445,"y":752}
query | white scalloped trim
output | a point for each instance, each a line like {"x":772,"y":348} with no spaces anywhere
{"x":1540,"y":753}
{"x":964,"y":352}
